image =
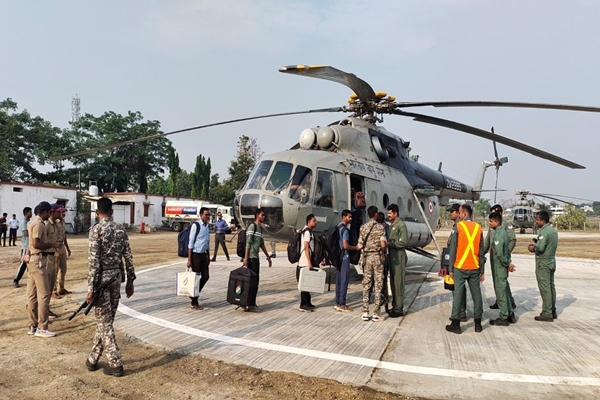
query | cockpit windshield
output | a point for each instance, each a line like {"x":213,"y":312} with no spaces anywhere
{"x":280,"y":175}
{"x":257,"y":180}
{"x":301,"y":184}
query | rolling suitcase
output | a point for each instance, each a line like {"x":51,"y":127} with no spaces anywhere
{"x":242,"y":288}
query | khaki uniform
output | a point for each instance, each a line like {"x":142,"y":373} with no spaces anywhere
{"x":38,"y":283}
{"x":52,"y":228}
{"x":373,"y":259}
{"x":61,"y":230}
{"x":109,"y":245}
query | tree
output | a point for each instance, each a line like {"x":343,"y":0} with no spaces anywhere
{"x":158,"y":185}
{"x":124,"y":168}
{"x":201,"y":178}
{"x":596,"y":207}
{"x":545,"y":207}
{"x":26,"y":140}
{"x":482,"y":207}
{"x":248,"y":153}
{"x":573,"y":218}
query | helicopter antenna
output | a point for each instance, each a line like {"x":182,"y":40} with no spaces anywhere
{"x":498,"y":162}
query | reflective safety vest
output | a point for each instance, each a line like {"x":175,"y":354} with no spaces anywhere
{"x":467,"y":251}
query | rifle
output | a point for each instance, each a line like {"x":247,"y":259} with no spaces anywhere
{"x":97,"y":293}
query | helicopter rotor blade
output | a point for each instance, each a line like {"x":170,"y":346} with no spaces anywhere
{"x":510,"y":104}
{"x":487,"y":135}
{"x":495,"y":149}
{"x":566,"y":197}
{"x":363,"y":90}
{"x":552,"y":198}
{"x":496,"y":187}
{"x":163,"y":134}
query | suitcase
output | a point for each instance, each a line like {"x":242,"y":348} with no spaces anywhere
{"x":312,"y":281}
{"x":242,"y":288}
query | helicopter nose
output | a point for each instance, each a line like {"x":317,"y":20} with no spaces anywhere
{"x":271,"y":205}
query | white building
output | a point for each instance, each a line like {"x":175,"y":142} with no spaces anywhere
{"x":16,"y":196}
{"x":130,"y":208}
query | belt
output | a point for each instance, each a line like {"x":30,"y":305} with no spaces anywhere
{"x":111,"y":269}
{"x":43,"y":253}
{"x":220,"y":233}
{"x":203,"y":253}
{"x":372,"y":252}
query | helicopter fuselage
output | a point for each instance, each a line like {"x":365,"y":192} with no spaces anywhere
{"x":331,"y":168}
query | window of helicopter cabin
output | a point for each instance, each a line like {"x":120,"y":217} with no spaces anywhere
{"x":280,"y":175}
{"x":259,"y":175}
{"x":324,"y":190}
{"x":301,"y":184}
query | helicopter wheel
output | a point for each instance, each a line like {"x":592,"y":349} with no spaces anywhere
{"x":522,"y":231}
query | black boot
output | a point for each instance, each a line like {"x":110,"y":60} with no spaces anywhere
{"x":512,"y":319}
{"x":554,"y":314}
{"x":499,"y":322}
{"x":454,"y":327}
{"x":494,"y":306}
{"x":478,"y":327}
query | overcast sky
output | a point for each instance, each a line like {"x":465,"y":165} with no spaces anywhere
{"x":188,"y":63}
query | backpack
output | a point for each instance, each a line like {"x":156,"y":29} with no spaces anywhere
{"x":295,"y":246}
{"x":183,"y":239}
{"x":241,"y":242}
{"x":319,"y":252}
{"x":331,"y":241}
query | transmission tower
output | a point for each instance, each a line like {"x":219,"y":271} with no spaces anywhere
{"x":75,"y":108}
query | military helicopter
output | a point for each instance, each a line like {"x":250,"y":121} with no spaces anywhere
{"x":354,"y":162}
{"x":523,"y":213}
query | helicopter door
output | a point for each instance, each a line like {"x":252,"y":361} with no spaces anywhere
{"x":324,"y":201}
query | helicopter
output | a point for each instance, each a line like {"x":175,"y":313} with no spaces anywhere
{"x":355,"y":161}
{"x":523,"y":213}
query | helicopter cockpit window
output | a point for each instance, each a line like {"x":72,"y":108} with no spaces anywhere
{"x":301,"y":183}
{"x":259,"y":175}
{"x":280,"y":175}
{"x":324,"y":190}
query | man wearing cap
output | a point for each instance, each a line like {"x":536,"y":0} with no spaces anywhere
{"x":454,"y":210}
{"x":109,"y":246}
{"x":512,"y":241}
{"x":64,"y":252}
{"x":467,"y":266}
{"x":38,"y":284}
{"x":53,"y":228}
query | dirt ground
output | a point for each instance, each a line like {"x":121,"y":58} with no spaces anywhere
{"x":54,"y":368}
{"x":36,"y":368}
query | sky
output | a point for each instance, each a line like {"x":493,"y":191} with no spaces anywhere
{"x":188,"y":63}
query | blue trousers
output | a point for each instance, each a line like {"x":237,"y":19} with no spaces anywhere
{"x":342,"y":278}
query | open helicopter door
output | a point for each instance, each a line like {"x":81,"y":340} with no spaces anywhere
{"x":329,"y":194}
{"x":359,"y":212}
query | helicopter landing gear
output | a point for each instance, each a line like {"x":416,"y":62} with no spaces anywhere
{"x":522,"y":231}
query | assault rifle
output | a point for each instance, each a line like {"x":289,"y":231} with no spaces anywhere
{"x":97,"y":293}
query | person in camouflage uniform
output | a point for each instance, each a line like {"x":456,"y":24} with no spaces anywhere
{"x":372,"y":241}
{"x":512,"y":242}
{"x":109,"y":245}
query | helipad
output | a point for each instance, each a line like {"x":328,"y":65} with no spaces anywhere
{"x":413,"y":355}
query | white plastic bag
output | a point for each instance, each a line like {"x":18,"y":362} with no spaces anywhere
{"x":188,"y":283}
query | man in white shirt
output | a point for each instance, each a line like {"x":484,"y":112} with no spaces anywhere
{"x":13,"y":225}
{"x":308,"y":246}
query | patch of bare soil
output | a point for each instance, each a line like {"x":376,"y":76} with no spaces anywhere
{"x":36,"y":368}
